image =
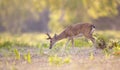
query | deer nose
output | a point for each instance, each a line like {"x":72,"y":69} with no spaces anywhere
{"x":50,"y":47}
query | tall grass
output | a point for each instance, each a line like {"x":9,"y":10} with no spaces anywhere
{"x":38,"y":40}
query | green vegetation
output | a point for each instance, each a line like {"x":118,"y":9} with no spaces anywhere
{"x":61,"y":12}
{"x":17,"y":54}
{"x":17,"y":46}
{"x":111,"y":38}
{"x":116,"y":48}
{"x":56,"y":60}
{"x":23,"y":41}
{"x":27,"y":57}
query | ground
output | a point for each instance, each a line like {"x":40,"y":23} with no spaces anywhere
{"x":31,"y":52}
{"x":85,"y":58}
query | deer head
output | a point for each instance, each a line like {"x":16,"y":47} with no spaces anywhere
{"x":52,"y":40}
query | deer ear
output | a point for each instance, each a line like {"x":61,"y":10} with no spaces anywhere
{"x":49,"y":37}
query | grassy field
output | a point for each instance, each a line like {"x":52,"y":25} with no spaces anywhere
{"x":30,"y":51}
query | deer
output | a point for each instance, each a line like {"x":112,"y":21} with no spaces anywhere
{"x":72,"y":31}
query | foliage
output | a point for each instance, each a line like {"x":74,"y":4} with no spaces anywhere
{"x":17,"y":54}
{"x":6,"y":44}
{"x":107,"y":52}
{"x":106,"y":39}
{"x":102,"y":8}
{"x":39,"y":41}
{"x":14,"y":13}
{"x":8,"y":40}
{"x":91,"y":56}
{"x":116,"y":48}
{"x":39,"y":44}
{"x":80,"y":42}
{"x":56,"y":60}
{"x":67,"y":60}
{"x":27,"y":57}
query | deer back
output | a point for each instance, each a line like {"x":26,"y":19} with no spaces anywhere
{"x":76,"y":29}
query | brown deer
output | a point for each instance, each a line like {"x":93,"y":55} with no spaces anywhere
{"x":72,"y":31}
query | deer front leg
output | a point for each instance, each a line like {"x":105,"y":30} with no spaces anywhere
{"x":92,"y":39}
{"x":72,"y":41}
{"x":67,"y":42}
{"x":89,"y":36}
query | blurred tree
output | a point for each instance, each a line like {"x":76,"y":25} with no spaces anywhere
{"x":15,"y":13}
{"x":72,"y":11}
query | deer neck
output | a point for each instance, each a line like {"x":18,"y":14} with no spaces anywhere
{"x":60,"y":36}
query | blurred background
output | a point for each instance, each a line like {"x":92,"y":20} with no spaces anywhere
{"x":21,"y":16}
{"x":23,"y":44}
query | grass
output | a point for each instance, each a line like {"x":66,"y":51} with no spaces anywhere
{"x":56,"y":60}
{"x":17,"y":54}
{"x":22,"y":40}
{"x":27,"y":57}
{"x":33,"y":49}
{"x":38,"y":40}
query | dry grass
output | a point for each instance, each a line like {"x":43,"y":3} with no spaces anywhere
{"x":30,"y":52}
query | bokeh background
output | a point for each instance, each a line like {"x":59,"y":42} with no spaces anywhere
{"x":21,"y":16}
{"x":23,"y":44}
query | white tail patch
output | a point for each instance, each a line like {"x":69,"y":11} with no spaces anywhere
{"x":93,"y":29}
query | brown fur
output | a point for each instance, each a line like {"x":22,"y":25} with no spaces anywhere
{"x":73,"y":31}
